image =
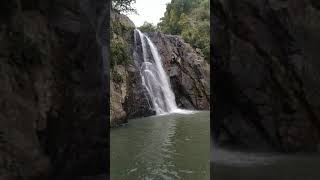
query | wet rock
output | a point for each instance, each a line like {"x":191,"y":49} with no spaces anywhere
{"x":188,"y":71}
{"x":53,"y":89}
{"x":266,"y":74}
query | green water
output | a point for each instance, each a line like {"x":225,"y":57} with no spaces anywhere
{"x":166,"y":147}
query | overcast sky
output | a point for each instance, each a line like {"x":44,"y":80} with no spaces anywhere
{"x":148,"y":10}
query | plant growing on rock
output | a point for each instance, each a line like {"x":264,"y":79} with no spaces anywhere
{"x":191,"y":20}
{"x":119,"y":54}
{"x":148,"y":27}
{"x":123,"y":6}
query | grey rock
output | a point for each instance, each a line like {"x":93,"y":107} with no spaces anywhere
{"x":188,"y":71}
{"x":53,"y":89}
{"x":265,"y":70}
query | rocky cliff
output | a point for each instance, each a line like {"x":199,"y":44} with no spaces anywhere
{"x":266,"y":74}
{"x":189,"y":73}
{"x":53,"y":88}
{"x":128,"y":97}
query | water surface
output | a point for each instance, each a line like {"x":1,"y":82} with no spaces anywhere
{"x":233,"y":165}
{"x":166,"y":147}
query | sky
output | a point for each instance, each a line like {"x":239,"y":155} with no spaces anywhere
{"x":148,"y":10}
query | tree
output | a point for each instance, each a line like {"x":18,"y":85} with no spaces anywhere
{"x":148,"y":27}
{"x":123,"y":6}
{"x":191,"y":20}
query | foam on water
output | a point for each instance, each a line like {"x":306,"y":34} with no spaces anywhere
{"x":154,"y":77}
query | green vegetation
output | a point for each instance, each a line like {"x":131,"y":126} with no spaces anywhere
{"x":191,"y":20}
{"x":148,"y":27}
{"x":123,"y":6}
{"x":188,"y":18}
{"x":116,"y":77}
{"x":120,"y":29}
{"x":119,"y":53}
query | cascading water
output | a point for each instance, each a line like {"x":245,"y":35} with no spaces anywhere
{"x":154,"y":77}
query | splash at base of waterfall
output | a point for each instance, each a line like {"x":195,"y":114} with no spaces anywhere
{"x":154,"y":77}
{"x":182,"y":111}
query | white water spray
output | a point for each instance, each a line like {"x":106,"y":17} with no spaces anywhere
{"x":154,"y":77}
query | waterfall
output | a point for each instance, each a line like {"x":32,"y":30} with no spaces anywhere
{"x":153,"y":75}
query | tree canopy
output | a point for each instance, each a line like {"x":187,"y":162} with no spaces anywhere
{"x":191,"y":20}
{"x":123,"y":6}
{"x":148,"y":27}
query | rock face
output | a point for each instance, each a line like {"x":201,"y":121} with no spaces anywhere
{"x":189,"y":75}
{"x":128,"y":97}
{"x":53,"y":88}
{"x":188,"y":71}
{"x":266,"y":74}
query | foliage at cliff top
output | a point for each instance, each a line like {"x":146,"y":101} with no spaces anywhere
{"x":191,"y":20}
{"x":120,"y":28}
{"x":123,"y":6}
{"x":148,"y":27}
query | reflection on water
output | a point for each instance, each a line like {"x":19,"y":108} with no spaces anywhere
{"x":166,"y":147}
{"x":231,"y":165}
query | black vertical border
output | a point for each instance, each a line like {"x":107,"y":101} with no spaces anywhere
{"x":96,"y":18}
{"x":107,"y":75}
{"x":211,"y":86}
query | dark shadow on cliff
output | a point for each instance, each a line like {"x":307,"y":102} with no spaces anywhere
{"x":54,"y":89}
{"x":265,"y":75}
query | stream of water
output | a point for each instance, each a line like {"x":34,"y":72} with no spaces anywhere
{"x":168,"y":147}
{"x":175,"y":144}
{"x":153,"y":75}
{"x":172,"y":145}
